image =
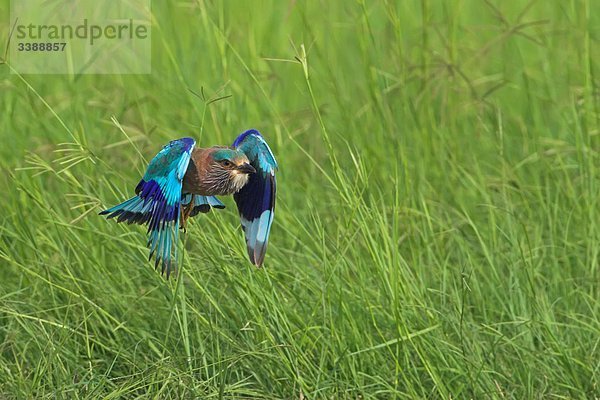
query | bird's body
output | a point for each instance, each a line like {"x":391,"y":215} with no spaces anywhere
{"x":182,"y":180}
{"x":204,"y":178}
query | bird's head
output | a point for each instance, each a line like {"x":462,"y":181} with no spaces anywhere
{"x":231,"y":168}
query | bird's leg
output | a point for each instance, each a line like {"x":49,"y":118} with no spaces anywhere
{"x":185,"y":213}
{"x":182,"y":219}
{"x":190,"y":207}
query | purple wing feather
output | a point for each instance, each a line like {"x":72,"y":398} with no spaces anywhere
{"x":256,"y":200}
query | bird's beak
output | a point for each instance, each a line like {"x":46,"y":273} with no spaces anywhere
{"x":246,"y":168}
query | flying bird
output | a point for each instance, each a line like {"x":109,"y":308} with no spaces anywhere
{"x":182,"y":180}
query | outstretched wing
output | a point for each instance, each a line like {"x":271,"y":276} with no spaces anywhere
{"x":158,"y":201}
{"x":256,"y":200}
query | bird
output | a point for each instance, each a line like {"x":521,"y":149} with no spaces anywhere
{"x":183,"y":180}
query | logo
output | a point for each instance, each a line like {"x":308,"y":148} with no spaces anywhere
{"x":80,"y":37}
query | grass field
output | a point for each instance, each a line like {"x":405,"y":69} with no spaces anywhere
{"x":437,"y":232}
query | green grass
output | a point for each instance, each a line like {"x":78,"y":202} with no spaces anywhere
{"x":437,"y":232}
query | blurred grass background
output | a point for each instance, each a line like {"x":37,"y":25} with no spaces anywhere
{"x":437,"y":232}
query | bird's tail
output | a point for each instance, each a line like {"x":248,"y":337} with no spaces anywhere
{"x":202,"y":204}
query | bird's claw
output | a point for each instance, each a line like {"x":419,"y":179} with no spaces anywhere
{"x":185,"y":214}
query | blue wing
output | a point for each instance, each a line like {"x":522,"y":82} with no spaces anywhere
{"x":256,"y":200}
{"x":158,"y":201}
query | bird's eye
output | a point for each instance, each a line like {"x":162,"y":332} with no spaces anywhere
{"x":226,"y":163}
